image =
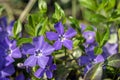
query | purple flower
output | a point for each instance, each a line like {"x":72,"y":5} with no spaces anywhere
{"x":61,"y":37}
{"x":4,"y":78}
{"x":110,"y":49}
{"x":20,"y":77}
{"x":48,"y":70}
{"x":83,"y":60}
{"x":39,"y":54}
{"x":5,"y":29}
{"x":10,"y":51}
{"x":7,"y":71}
{"x":89,"y":36}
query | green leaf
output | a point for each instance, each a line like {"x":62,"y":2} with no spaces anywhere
{"x":42,"y":6}
{"x":98,"y":37}
{"x":1,"y":9}
{"x":44,"y":25}
{"x":17,"y":28}
{"x":90,"y":4}
{"x":59,"y":13}
{"x":98,"y":50}
{"x":95,"y":73}
{"x":38,"y":28}
{"x":105,"y":37}
{"x":114,"y":60}
{"x":89,"y":28}
{"x":74,"y":21}
{"x":24,"y":40}
{"x":93,"y":17}
{"x":110,"y":5}
{"x":30,"y":21}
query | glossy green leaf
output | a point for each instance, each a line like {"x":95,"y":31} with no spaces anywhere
{"x":44,"y":26}
{"x":95,"y":73}
{"x":98,"y":50}
{"x":90,"y":4}
{"x":98,"y":37}
{"x":93,"y":17}
{"x":89,"y":28}
{"x":42,"y":6}
{"x":74,"y":21}
{"x":114,"y":60}
{"x":105,"y":37}
{"x":24,"y":40}
{"x":59,"y":13}
{"x":110,"y":5}
{"x":17,"y":28}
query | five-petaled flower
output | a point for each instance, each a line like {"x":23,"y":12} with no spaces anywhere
{"x":48,"y":70}
{"x":61,"y":37}
{"x":39,"y":54}
{"x":9,"y":50}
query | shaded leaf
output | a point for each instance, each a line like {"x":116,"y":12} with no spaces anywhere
{"x":95,"y":73}
{"x":114,"y":60}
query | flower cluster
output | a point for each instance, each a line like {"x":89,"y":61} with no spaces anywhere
{"x":89,"y":58}
{"x":37,"y":54}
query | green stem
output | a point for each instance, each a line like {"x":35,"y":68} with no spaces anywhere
{"x":118,"y":40}
{"x":74,"y":8}
{"x":27,"y":10}
{"x":65,"y":56}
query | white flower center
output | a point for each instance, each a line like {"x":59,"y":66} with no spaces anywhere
{"x":62,"y":38}
{"x":38,"y":53}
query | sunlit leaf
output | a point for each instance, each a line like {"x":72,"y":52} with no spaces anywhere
{"x":24,"y":40}
{"x":17,"y":28}
{"x":98,"y":50}
{"x":59,"y":13}
{"x":42,"y":6}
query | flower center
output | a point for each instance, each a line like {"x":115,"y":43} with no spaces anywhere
{"x":38,"y":53}
{"x":8,"y":51}
{"x":61,"y":38}
{"x":90,"y":37}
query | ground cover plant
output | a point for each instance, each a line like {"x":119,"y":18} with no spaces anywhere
{"x":50,"y":45}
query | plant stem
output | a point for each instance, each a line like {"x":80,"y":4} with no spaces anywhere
{"x":74,"y":8}
{"x":118,"y":40}
{"x":65,"y":56}
{"x":27,"y":10}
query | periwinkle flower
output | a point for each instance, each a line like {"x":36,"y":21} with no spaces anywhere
{"x":88,"y":35}
{"x":20,"y":77}
{"x":7,"y":71}
{"x":10,"y":50}
{"x":39,"y":55}
{"x":5,"y":29}
{"x":83,"y":60}
{"x":48,"y":70}
{"x":61,"y":37}
{"x":4,"y":78}
{"x":110,"y":49}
